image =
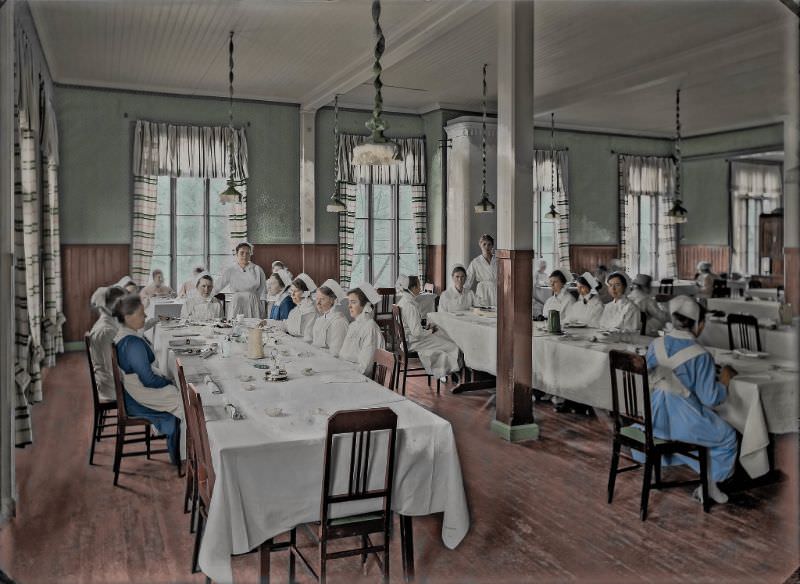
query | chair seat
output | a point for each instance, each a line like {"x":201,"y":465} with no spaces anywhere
{"x":107,"y":404}
{"x":355,"y":519}
{"x":637,"y":434}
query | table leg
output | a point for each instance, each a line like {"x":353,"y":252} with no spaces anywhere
{"x":407,"y":547}
{"x":473,"y":384}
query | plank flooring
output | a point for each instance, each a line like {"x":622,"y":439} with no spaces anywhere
{"x":538,"y":510}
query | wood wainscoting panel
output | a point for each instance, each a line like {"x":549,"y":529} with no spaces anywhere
{"x":586,"y":258}
{"x":792,"y":279}
{"x":291,"y":254}
{"x":438,"y":271}
{"x":320,"y":261}
{"x":85,"y":268}
{"x":689,"y":255}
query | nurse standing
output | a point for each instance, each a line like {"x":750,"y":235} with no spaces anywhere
{"x":482,"y":273}
{"x":363,"y":334}
{"x":246,"y":281}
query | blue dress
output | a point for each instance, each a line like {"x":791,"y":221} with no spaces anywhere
{"x":135,"y":356}
{"x":281,"y":311}
{"x":692,"y":419}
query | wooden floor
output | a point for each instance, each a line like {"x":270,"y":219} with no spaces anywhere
{"x":538,"y":510}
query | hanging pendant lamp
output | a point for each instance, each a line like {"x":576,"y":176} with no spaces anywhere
{"x":230,"y":195}
{"x":377,"y":149}
{"x":554,"y":176}
{"x":678,"y":213}
{"x":336,"y":205}
{"x":485,"y":205}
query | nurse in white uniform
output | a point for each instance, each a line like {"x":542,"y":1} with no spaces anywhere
{"x":100,"y":338}
{"x":561,"y":298}
{"x":587,"y":309}
{"x":330,"y":327}
{"x":620,"y":314}
{"x":705,"y":280}
{"x":246,"y":280}
{"x":127,"y":284}
{"x":363,"y":334}
{"x":156,"y":288}
{"x":640,"y":296}
{"x":438,"y":354}
{"x":300,"y":322}
{"x":457,"y":298}
{"x":202,"y":306}
{"x":482,"y":273}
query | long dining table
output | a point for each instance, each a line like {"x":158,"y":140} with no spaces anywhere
{"x":269,"y":465}
{"x":762,"y":399}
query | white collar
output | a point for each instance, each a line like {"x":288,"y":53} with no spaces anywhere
{"x":679,"y":334}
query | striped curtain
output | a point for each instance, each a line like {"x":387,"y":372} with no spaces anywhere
{"x":542,"y":183}
{"x":347,"y":222}
{"x":161,"y":149}
{"x":52,"y":324}
{"x":419,"y":207}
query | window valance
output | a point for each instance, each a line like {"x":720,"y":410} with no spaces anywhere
{"x":647,"y":175}
{"x":161,"y":149}
{"x":750,"y":179}
{"x":412,"y":171}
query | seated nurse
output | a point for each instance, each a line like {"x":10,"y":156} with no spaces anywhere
{"x":300,"y":322}
{"x":620,"y":314}
{"x":684,"y":389}
{"x":202,"y":305}
{"x":330,"y":327}
{"x":281,"y":303}
{"x":458,"y":297}
{"x":148,"y":394}
{"x":363,"y":334}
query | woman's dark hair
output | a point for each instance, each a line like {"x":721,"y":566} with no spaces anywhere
{"x":621,"y":278}
{"x":243,"y":244}
{"x":277,"y":278}
{"x":114,"y":293}
{"x":328,"y":292}
{"x":206,"y":277}
{"x":413,"y":282}
{"x":362,"y":298}
{"x":299,"y":284}
{"x":459,"y":269}
{"x":560,"y":275}
{"x":581,"y":281}
{"x":126,"y":306}
{"x":487,"y":237}
{"x":684,"y":322}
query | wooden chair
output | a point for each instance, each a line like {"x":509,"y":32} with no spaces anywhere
{"x":383,"y":313}
{"x":360,"y":427}
{"x":190,"y":493}
{"x":124,"y":422}
{"x":404,"y":355}
{"x":103,"y":410}
{"x":643,"y":318}
{"x":221,"y":298}
{"x":383,"y":368}
{"x":720,"y":289}
{"x":204,"y":469}
{"x":747,"y":335}
{"x":755,"y":284}
{"x":666,"y":286}
{"x":429,"y":287}
{"x":632,"y":369}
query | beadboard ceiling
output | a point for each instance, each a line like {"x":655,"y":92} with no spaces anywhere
{"x":603,"y":64}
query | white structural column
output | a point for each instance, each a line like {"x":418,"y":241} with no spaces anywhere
{"x":514,"y":414}
{"x":307,"y":166}
{"x":7,"y":392}
{"x":791,"y":167}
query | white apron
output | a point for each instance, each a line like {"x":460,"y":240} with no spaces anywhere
{"x":329,"y":331}
{"x":438,"y":354}
{"x":363,"y":337}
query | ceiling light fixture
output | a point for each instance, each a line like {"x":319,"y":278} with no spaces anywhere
{"x":336,"y":205}
{"x":484,"y":205}
{"x":230,"y":195}
{"x":555,"y":184}
{"x":678,"y":213}
{"x":377,"y":149}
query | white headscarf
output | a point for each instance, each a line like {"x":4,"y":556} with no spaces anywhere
{"x":285,"y":277}
{"x":334,"y":287}
{"x":703,"y":266}
{"x":538,"y":263}
{"x":308,"y":282}
{"x":202,"y":274}
{"x":592,"y":281}
{"x":372,"y":296}
{"x":685,"y":306}
{"x":124,"y":281}
{"x":98,"y":300}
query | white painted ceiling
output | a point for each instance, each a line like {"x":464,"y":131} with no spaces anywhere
{"x":605,"y":64}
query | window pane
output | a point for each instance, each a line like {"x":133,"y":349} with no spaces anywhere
{"x":360,"y":235}
{"x":358,"y":273}
{"x":216,"y":186}
{"x":408,"y":236}
{"x":382,"y":271}
{"x":218,"y":262}
{"x":405,"y":203}
{"x":218,"y":235}
{"x":190,"y":196}
{"x":163,"y":196}
{"x":645,"y":235}
{"x":186,"y":265}
{"x":163,"y":263}
{"x":382,"y":202}
{"x":161,"y":246}
{"x":382,"y":236}
{"x":189,"y":235}
{"x":408,"y":264}
{"x":362,"y":202}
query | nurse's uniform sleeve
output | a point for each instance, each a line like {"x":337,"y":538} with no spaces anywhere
{"x":372,"y":339}
{"x":307,"y":326}
{"x":186,"y":309}
{"x":700,"y":376}
{"x":336,"y":335}
{"x":262,"y":284}
{"x":412,"y":321}
{"x":221,"y":281}
{"x":632,"y":321}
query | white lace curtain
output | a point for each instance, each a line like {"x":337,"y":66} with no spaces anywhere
{"x":161,"y":149}
{"x":758,"y":188}
{"x":542,"y":186}
{"x":654,"y":177}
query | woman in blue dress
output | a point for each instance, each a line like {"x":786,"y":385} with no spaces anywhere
{"x":684,"y":391}
{"x":283,"y":304}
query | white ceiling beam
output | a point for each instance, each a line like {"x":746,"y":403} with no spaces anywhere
{"x":411,"y":37}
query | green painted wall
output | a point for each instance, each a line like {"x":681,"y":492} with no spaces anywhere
{"x":96,"y":142}
{"x":705,"y":181}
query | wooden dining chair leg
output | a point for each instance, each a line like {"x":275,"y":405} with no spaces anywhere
{"x":95,"y":438}
{"x":429,"y":381}
{"x":264,"y":563}
{"x":438,"y":385}
{"x":703,"y":452}
{"x":323,"y":565}
{"x":405,"y":375}
{"x":148,"y":433}
{"x":198,"y":538}
{"x":648,"y":471}
{"x":612,"y":473}
{"x":292,"y":544}
{"x":364,"y":545}
{"x":385,"y":557}
{"x":118,"y":452}
{"x":657,"y":469}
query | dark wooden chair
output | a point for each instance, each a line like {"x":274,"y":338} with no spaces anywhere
{"x":384,"y":364}
{"x":383,"y":313}
{"x":204,"y":469}
{"x":124,"y":422}
{"x":643,"y":318}
{"x":633,"y":427}
{"x":743,"y":332}
{"x":403,"y":354}
{"x":362,"y":430}
{"x":755,"y":284}
{"x":221,"y":298}
{"x":720,"y":289}
{"x":190,"y":493}
{"x":666,"y":286}
{"x":104,"y":411}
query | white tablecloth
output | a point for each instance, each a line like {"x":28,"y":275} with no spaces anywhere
{"x":476,"y":336}
{"x":170,"y":308}
{"x":758,"y":308}
{"x":269,"y":469}
{"x":763,"y":293}
{"x":679,"y":287}
{"x":780,"y":342}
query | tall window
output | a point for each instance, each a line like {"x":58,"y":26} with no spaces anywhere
{"x":547,"y":191}
{"x":545,"y":245}
{"x":384,"y":240}
{"x":191,"y":228}
{"x":756,"y":188}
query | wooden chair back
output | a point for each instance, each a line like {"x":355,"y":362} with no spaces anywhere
{"x":205,"y":468}
{"x":387,"y":299}
{"x":119,"y":386}
{"x":720,"y":289}
{"x":183,"y":388}
{"x":666,"y":286}
{"x":629,"y":381}
{"x":221,"y":298}
{"x":383,"y":368}
{"x":95,"y":393}
{"x":743,"y":332}
{"x":400,"y":345}
{"x":429,"y":287}
{"x":755,"y":284}
{"x":360,"y":426}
